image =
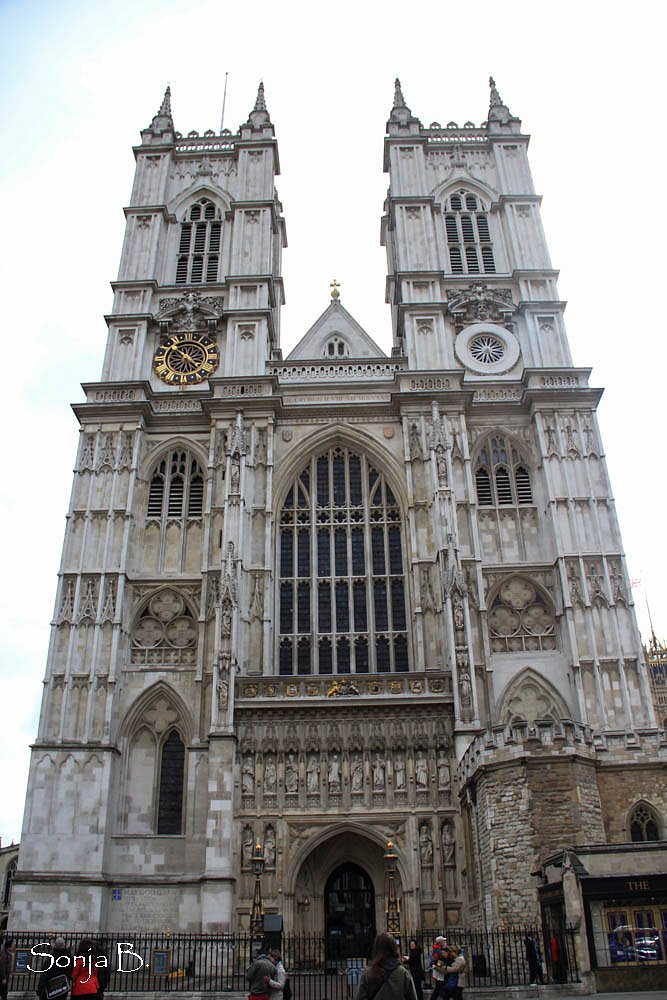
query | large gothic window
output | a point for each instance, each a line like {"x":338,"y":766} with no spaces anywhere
{"x":341,"y":570}
{"x":468,"y":236}
{"x":643,"y":824}
{"x":501,"y":476}
{"x":176,"y":488}
{"x":170,"y":798}
{"x":199,"y":245}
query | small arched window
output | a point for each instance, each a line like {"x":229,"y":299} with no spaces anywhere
{"x":170,"y":796}
{"x":501,"y":476}
{"x":644,"y":824}
{"x":199,"y":245}
{"x":468,"y":235}
{"x":176,"y":488}
{"x":336,"y":347}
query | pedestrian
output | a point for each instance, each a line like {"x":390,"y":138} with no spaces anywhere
{"x":385,"y":978}
{"x":454,"y":969}
{"x":436,"y":963}
{"x":416,"y":967}
{"x":84,"y":971}
{"x":54,"y":982}
{"x":277,"y":982}
{"x":6,"y":965}
{"x":258,"y":975}
{"x":534,"y":959}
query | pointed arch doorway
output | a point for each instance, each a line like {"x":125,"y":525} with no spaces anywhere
{"x":349,"y":913}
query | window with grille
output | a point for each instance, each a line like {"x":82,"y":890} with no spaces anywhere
{"x":342,"y":603}
{"x":644,"y":824}
{"x":170,"y":797}
{"x":176,"y":489}
{"x":501,"y":476}
{"x":199,"y":246}
{"x":468,"y":235}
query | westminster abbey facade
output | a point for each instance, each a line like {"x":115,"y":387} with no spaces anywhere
{"x":338,"y":598}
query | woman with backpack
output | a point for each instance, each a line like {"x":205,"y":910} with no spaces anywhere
{"x":385,"y":978}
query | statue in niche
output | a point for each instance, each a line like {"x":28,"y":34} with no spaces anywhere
{"x":551,"y":438}
{"x":270,"y":847}
{"x":447,"y":843}
{"x":457,"y":610}
{"x":378,"y":773}
{"x":416,"y":452}
{"x":226,"y":618}
{"x":421,"y":772}
{"x":399,"y":774}
{"x":425,"y":845}
{"x":570,"y":431}
{"x":247,"y":845}
{"x":444,"y":777}
{"x":248,"y":776}
{"x":222,"y":692}
{"x":357,"y":772}
{"x":465,"y":689}
{"x":235,"y":476}
{"x":291,"y":775}
{"x":270,"y":776}
{"x":260,"y":448}
{"x":334,"y":774}
{"x":441,"y":462}
{"x":313,"y":775}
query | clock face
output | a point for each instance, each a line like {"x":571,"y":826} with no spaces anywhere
{"x":186,"y":359}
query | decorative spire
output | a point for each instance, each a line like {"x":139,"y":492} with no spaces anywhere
{"x":335,"y":294}
{"x":259,"y":116}
{"x":165,"y":107}
{"x":400,"y":112}
{"x":495,"y":100}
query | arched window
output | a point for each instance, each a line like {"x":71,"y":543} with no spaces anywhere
{"x":644,"y":824}
{"x":468,"y":236}
{"x":341,"y":570}
{"x":199,"y":245}
{"x":176,"y":488}
{"x":520,"y":620}
{"x":501,"y":476}
{"x":9,"y":881}
{"x":336,"y":347}
{"x":170,"y":796}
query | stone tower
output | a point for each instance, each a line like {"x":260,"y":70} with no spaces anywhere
{"x":339,"y":598}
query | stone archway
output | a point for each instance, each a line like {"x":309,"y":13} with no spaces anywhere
{"x":349,"y":913}
{"x":345,"y":850}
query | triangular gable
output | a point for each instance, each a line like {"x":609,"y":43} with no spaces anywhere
{"x":335,"y":325}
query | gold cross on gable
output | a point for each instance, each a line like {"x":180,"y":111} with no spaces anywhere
{"x":335,"y":294}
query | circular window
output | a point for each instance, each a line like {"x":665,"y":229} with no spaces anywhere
{"x":487,"y":349}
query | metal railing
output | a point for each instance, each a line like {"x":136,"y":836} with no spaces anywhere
{"x":319,"y":968}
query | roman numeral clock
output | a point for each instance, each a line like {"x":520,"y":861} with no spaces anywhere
{"x":186,"y":359}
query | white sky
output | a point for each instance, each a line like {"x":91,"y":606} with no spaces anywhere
{"x":79,"y":80}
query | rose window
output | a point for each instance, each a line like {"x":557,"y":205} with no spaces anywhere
{"x":519,"y":619}
{"x":487,"y":349}
{"x":166,"y":632}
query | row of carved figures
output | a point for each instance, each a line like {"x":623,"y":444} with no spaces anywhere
{"x":358,"y":771}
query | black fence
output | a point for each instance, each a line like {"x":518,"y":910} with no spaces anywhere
{"x":319,"y":968}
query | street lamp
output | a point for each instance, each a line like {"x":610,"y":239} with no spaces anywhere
{"x":392,"y":905}
{"x":257,"y":915}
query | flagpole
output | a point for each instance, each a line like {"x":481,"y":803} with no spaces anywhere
{"x":224,"y":99}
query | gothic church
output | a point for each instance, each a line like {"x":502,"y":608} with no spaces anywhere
{"x":337,"y":598}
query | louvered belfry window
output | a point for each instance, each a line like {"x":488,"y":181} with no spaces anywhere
{"x":342,"y":603}
{"x":199,"y":246}
{"x":170,"y":798}
{"x":501,"y":476}
{"x":176,"y":489}
{"x":468,"y":236}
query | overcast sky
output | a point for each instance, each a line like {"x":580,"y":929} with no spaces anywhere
{"x":79,"y":81}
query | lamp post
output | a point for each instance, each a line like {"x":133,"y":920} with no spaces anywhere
{"x":257,"y":915}
{"x":392,"y":905}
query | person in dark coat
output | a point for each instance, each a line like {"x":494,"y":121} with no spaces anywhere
{"x":258,"y":976}
{"x":416,"y":967}
{"x":6,"y":963}
{"x":534,"y":959}
{"x":385,"y":978}
{"x":59,"y":950}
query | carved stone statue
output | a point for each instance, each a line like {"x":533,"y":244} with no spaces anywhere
{"x":247,"y":844}
{"x":447,"y":843}
{"x":444,"y":777}
{"x":248,"y":776}
{"x":421,"y":771}
{"x":465,"y":689}
{"x":425,"y":845}
{"x":270,"y":847}
{"x":270,"y":776}
{"x":291,"y":775}
{"x":416,"y":451}
{"x":334,"y":774}
{"x":313,"y":775}
{"x":378,"y":773}
{"x":357,"y":773}
{"x":399,"y":774}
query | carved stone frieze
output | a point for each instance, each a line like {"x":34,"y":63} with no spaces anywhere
{"x":478,"y":302}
